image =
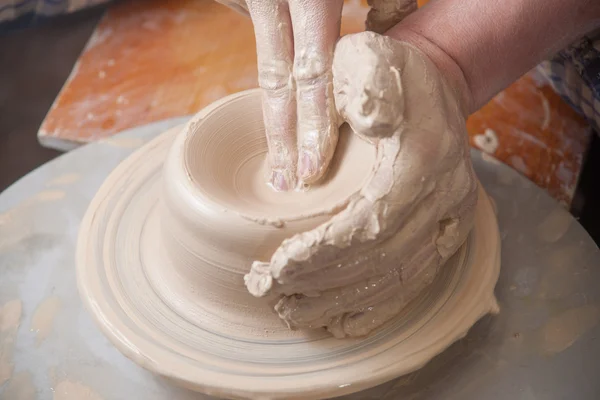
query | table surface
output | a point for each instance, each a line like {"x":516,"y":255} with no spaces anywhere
{"x":150,"y":60}
{"x":542,"y":345}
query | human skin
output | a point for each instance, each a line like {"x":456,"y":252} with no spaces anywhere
{"x":478,"y":49}
{"x":484,"y":46}
{"x":295,"y":40}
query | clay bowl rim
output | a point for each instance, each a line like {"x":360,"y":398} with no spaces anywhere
{"x":193,"y":197}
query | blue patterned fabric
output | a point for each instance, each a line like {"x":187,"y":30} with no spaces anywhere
{"x":574,"y":73}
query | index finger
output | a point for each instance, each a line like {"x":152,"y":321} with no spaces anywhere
{"x":275,"y":52}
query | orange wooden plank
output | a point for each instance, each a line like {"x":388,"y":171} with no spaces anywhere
{"x":538,"y":134}
{"x":150,"y":60}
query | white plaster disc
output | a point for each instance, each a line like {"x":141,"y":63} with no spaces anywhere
{"x":212,"y":352}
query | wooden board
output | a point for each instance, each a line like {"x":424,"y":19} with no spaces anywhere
{"x":151,"y":60}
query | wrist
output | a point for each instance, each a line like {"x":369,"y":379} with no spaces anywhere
{"x":450,"y":69}
{"x":494,"y":43}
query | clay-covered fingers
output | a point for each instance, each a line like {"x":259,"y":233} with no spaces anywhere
{"x":344,"y":244}
{"x":384,"y":14}
{"x":341,"y":310}
{"x":316,"y":26}
{"x":373,"y":257}
{"x":275,"y":53}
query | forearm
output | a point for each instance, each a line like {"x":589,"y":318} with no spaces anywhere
{"x":495,"y":42}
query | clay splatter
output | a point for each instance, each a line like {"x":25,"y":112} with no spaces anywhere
{"x":559,"y":278}
{"x":555,"y":225}
{"x":68,"y":390}
{"x":10,"y":318}
{"x":43,"y":318}
{"x":488,"y":141}
{"x":65,"y":179}
{"x":562,"y":330}
{"x":20,"y":387}
{"x":50,"y":195}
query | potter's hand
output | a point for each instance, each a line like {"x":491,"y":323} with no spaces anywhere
{"x":294,"y":42}
{"x":357,"y":270}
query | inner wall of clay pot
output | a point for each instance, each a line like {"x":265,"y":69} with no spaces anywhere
{"x":226,"y":157}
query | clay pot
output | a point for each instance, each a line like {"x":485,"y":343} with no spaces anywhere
{"x":218,"y":214}
{"x":165,"y":243}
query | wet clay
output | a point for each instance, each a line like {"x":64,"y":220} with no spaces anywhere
{"x":166,"y":242}
{"x":360,"y":268}
{"x":43,"y":318}
{"x":10,"y":319}
{"x":69,"y":390}
{"x":20,"y":387}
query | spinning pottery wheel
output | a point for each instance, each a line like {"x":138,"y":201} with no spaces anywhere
{"x":166,"y":241}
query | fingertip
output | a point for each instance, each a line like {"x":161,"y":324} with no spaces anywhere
{"x":259,"y":280}
{"x":307,"y":167}
{"x":312,"y":164}
{"x":281,"y":180}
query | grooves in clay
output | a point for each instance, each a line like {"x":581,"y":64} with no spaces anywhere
{"x":164,"y":282}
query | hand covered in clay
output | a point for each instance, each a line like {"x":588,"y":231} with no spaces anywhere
{"x":359,"y":269}
{"x":295,"y":41}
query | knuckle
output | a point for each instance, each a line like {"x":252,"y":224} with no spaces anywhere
{"x":274,"y":74}
{"x":310,"y":65}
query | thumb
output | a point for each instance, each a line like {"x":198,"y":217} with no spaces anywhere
{"x":367,"y":83}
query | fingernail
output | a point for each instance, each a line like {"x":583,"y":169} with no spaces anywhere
{"x":306,"y":167}
{"x":279,"y":182}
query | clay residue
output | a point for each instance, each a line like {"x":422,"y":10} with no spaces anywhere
{"x":555,"y":225}
{"x":384,"y":14}
{"x":18,"y":223}
{"x":560,"y":278}
{"x":50,"y":195}
{"x":69,"y":390}
{"x":65,"y":179}
{"x":124,"y":142}
{"x":20,"y":387}
{"x":505,"y":176}
{"x":10,"y":318}
{"x":562,"y":330}
{"x":43,"y":318}
{"x":488,"y":141}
